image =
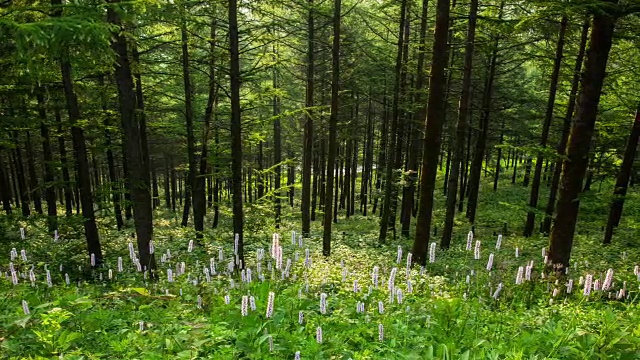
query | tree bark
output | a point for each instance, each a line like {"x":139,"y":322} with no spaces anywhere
{"x":575,"y":165}
{"x":277,"y":142}
{"x":461,"y":128}
{"x":188,"y":117}
{"x":333,"y":128}
{"x":113,"y":179}
{"x":236,"y":131}
{"x":553,"y":87}
{"x":33,"y":178}
{"x":622,"y":181}
{"x":433,"y":131}
{"x":307,"y":153}
{"x":5,"y":188}
{"x":49,"y":166}
{"x":131,"y":116}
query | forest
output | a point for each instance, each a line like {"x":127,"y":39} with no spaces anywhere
{"x":320,"y":179}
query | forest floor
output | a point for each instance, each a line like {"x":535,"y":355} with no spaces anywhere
{"x":454,"y":308}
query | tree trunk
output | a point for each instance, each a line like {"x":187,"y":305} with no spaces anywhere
{"x":481,"y":141}
{"x":33,"y":178}
{"x":82,"y":163}
{"x":131,"y":118}
{"x":553,"y":87}
{"x":236,"y":132}
{"x":188,"y":117}
{"x":496,"y":176}
{"x":433,"y":131}
{"x":333,"y":128}
{"x":307,"y":153}
{"x":113,"y":179}
{"x":66,"y":181}
{"x":199,"y":200}
{"x":390,"y":194}
{"x":5,"y":188}
{"x":49,"y":166}
{"x":575,"y":165}
{"x":622,"y":181}
{"x":277,"y":142}
{"x":461,"y":128}
{"x":368,"y":160}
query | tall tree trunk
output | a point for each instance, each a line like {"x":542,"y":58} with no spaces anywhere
{"x":167,"y":183}
{"x":82,"y":163}
{"x":622,"y":181}
{"x":199,"y":200}
{"x":367,"y":171}
{"x":236,"y":131}
{"x":390,"y":197}
{"x":527,"y":171}
{"x":333,"y":128}
{"x":553,"y":87}
{"x":113,"y":179}
{"x":575,"y":164}
{"x":5,"y":187}
{"x":481,"y":141}
{"x":566,"y":127}
{"x":188,"y":117}
{"x":49,"y":166}
{"x":277,"y":142}
{"x":33,"y":178}
{"x":433,"y":132}
{"x":131,"y":117}
{"x":66,"y":180}
{"x":461,"y":128}
{"x":408,"y":194}
{"x":307,"y":153}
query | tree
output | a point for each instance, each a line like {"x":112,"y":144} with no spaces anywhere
{"x":307,"y":154}
{"x":575,"y":164}
{"x":461,"y":127}
{"x":138,"y":176}
{"x":622,"y":180}
{"x":333,"y":129}
{"x":433,"y":131}
{"x":553,"y":87}
{"x":236,"y":132}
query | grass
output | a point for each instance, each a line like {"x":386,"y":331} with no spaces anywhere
{"x":448,"y":310}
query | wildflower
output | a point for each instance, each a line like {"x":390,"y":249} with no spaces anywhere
{"x":300,"y":317}
{"x":297,"y":355}
{"x":270,"y":301}
{"x":380,"y":332}
{"x":323,"y":303}
{"x":517,"y":252}
{"x":555,"y":292}
{"x":25,"y":307}
{"x":220,"y":255}
{"x":49,"y":283}
{"x":307,"y":259}
{"x":587,"y":285}
{"x":380,"y":307}
{"x":66,"y":279}
{"x":468,"y":280}
{"x":55,"y":236}
{"x":275,"y":243}
{"x":279,"y":258}
{"x":249,"y":278}
{"x":399,"y":258}
{"x":300,"y":240}
{"x":120,"y":264}
{"x":597,"y":286}
{"x":497,"y":292}
{"x":252,"y":303}
{"x":32,"y":276}
{"x":14,"y":277}
{"x":227,"y":299}
{"x":355,"y":286}
{"x":544,"y":252}
{"x":476,"y":251}
{"x":409,"y":258}
{"x":14,"y":254}
{"x":270,"y":343}
{"x":490,"y":262}
{"x":22,"y":233}
{"x":432,"y":252}
{"x":141,"y":325}
{"x":374,"y":276}
{"x":469,"y":240}
{"x":169,"y":275}
{"x":236,"y":243}
{"x":499,"y":242}
{"x":319,"y":335}
{"x":244,"y":305}
{"x":399,"y":295}
{"x":392,"y":279}
{"x":23,"y":255}
{"x":527,"y":272}
{"x":608,"y":280}
{"x":569,"y":286}
{"x":190,"y":247}
{"x":409,"y":286}
{"x":519,"y":275}
{"x":93,"y":260}
{"x":199,"y":300}
{"x":132,"y":252}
